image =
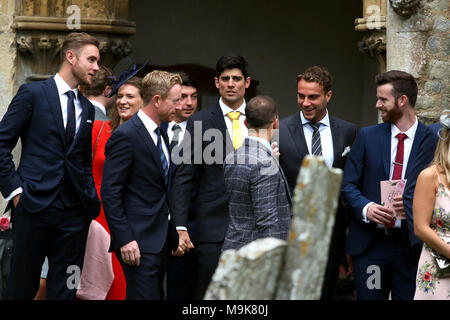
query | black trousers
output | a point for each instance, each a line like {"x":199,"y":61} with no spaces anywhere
{"x":208,"y":255}
{"x":59,"y":234}
{"x":182,"y":274}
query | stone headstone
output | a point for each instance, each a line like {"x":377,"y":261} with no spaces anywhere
{"x":250,"y":273}
{"x":315,"y":202}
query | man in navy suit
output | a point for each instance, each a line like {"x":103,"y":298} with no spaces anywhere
{"x":384,"y":262}
{"x":135,"y":189}
{"x":211,"y":133}
{"x":53,"y":190}
{"x":423,"y":160}
{"x":314,"y":92}
{"x":182,"y":270}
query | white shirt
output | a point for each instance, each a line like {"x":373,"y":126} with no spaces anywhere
{"x":150,"y":125}
{"x":225,"y":110}
{"x":62,"y":88}
{"x":407,"y":143}
{"x":170,"y":132}
{"x":326,"y":139}
{"x":98,"y":105}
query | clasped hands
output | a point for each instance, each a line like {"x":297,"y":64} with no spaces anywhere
{"x":184,"y":243}
{"x":382,"y":215}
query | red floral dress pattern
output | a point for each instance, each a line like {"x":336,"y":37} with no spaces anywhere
{"x":428,"y":286}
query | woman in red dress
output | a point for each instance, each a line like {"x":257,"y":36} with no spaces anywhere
{"x":128,"y":102}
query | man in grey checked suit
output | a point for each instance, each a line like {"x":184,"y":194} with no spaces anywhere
{"x":259,"y":199}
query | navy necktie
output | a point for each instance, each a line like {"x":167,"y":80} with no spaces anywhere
{"x":162,"y":156}
{"x":71,"y":123}
{"x":316,"y":146}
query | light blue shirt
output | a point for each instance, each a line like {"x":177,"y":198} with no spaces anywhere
{"x":263,"y":141}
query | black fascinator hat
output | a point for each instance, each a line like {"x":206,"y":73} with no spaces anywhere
{"x":124,"y":77}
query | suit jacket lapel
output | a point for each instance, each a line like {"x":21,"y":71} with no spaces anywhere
{"x":338,"y":141}
{"x":54,"y":102}
{"x":84,"y":115}
{"x":418,"y":137}
{"x":298,"y":136}
{"x":217,"y":118}
{"x":385,"y":147}
{"x":148,"y":141}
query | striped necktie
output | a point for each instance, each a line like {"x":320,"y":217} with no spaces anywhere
{"x":316,"y":146}
{"x":162,"y":156}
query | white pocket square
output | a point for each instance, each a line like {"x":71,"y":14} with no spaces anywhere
{"x":89,"y":121}
{"x":346,"y":151}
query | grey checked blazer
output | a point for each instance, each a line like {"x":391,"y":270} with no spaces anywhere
{"x":259,"y":199}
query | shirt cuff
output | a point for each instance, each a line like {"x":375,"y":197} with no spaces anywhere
{"x":14,"y":193}
{"x":364,"y":213}
{"x":181,"y":228}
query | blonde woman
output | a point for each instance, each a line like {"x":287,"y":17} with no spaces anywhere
{"x":431,"y":211}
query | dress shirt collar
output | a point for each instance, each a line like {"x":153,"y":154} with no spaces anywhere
{"x":263,"y":141}
{"x":98,"y":105}
{"x":226,"y":109}
{"x":411,"y":132}
{"x":149,"y":124}
{"x":181,"y":124}
{"x":63,"y":87}
{"x":325,"y":121}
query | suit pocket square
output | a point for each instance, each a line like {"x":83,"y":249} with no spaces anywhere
{"x":89,"y":121}
{"x":346,"y":151}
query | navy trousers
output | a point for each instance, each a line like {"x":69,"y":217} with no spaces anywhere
{"x":388,"y":266}
{"x":59,"y":234}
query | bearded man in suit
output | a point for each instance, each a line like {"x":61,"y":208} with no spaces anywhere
{"x":382,"y":248}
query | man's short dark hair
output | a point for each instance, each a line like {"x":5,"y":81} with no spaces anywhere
{"x":402,"y":82}
{"x":102,"y":78}
{"x":260,"y":112}
{"x":231,"y":61}
{"x":321,"y":75}
{"x":188,"y":80}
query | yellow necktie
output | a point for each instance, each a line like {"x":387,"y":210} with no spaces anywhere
{"x":237,"y":138}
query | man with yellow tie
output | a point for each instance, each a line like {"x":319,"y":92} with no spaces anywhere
{"x":204,"y":180}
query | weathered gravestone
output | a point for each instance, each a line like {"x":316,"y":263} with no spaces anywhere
{"x":315,"y":202}
{"x":250,"y":273}
{"x":274,"y":269}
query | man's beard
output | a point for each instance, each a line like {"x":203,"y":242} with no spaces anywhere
{"x":393,"y":115}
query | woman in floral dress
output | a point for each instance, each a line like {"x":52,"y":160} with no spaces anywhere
{"x":431,"y":210}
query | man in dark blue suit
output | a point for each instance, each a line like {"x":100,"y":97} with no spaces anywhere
{"x":53,"y":190}
{"x":212,"y":134}
{"x":423,"y":160}
{"x":384,"y":263}
{"x":182,"y":271}
{"x":314,"y":92}
{"x":135,"y":189}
